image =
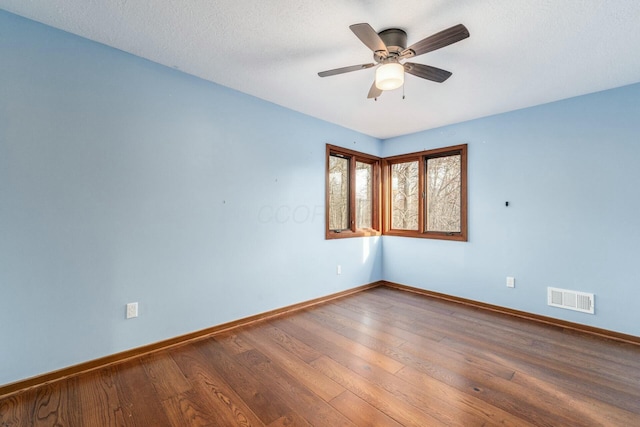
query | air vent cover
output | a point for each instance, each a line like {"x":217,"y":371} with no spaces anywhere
{"x":571,"y":300}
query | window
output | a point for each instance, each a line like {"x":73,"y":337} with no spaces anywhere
{"x":426,"y":194}
{"x":413,"y":195}
{"x":338,"y":193}
{"x":443,"y":193}
{"x":353,"y":194}
{"x":404,"y":195}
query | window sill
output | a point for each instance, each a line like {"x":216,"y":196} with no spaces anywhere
{"x":437,"y":236}
{"x":348,"y":234}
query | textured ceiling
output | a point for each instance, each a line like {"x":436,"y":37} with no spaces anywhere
{"x":521,"y":52}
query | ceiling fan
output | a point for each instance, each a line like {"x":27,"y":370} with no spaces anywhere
{"x":390,"y":48}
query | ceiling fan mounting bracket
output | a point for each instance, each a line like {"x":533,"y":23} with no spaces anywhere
{"x":396,"y":41}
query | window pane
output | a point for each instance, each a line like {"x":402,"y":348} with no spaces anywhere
{"x":338,"y":193}
{"x":443,"y":194}
{"x":364,"y":195}
{"x":404,"y":196}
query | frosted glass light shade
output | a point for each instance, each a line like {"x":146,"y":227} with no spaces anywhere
{"x":389,"y":76}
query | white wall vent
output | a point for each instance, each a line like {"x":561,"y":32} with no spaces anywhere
{"x":571,"y":300}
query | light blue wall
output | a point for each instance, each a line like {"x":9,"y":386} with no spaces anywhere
{"x":571,"y":173}
{"x":122,"y":180}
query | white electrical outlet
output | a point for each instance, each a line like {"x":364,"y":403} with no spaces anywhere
{"x":339,"y":269}
{"x":511,"y":282}
{"x":132,"y":310}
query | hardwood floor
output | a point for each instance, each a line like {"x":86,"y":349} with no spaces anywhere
{"x":382,"y":357}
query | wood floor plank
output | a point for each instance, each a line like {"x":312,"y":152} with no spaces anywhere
{"x":316,"y":410}
{"x":507,"y":395}
{"x":234,"y":342}
{"x":387,"y":322}
{"x":600,"y":359}
{"x":189,"y":409}
{"x":591,"y":411}
{"x":165,"y":375}
{"x":139,"y":402}
{"x":319,"y":384}
{"x":258,"y":394}
{"x":497,"y":391}
{"x":360,"y":326}
{"x":455,"y":404}
{"x":433,"y":352}
{"x":290,"y":420}
{"x":386,"y":402}
{"x":11,"y":412}
{"x":99,"y":400}
{"x":465,"y":399}
{"x":379,"y":359}
{"x":439,"y":356}
{"x":352,"y":330}
{"x":53,"y":405}
{"x":520,"y":347}
{"x":360,"y":412}
{"x":383,"y":357}
{"x":418,"y":397}
{"x":432,"y":305}
{"x":292,"y":345}
{"x":557,"y":343}
{"x":561,"y":375}
{"x":223,"y":403}
{"x":493,"y":400}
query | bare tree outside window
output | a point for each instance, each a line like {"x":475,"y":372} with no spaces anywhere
{"x":422,"y":194}
{"x":425,"y":194}
{"x":352,"y":194}
{"x":364,"y":195}
{"x":443,"y":194}
{"x":404,"y":196}
{"x":338,"y":193}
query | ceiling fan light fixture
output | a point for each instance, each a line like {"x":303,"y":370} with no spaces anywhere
{"x":390,"y":76}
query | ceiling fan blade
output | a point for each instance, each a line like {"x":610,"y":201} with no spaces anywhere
{"x":436,"y":41}
{"x":345,"y":70}
{"x":369,"y":37}
{"x":374,"y":92}
{"x":427,"y":72}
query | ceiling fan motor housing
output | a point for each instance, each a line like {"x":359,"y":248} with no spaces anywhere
{"x":396,"y":41}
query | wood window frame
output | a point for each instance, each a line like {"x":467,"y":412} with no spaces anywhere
{"x":376,"y":220}
{"x":422,"y":157}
